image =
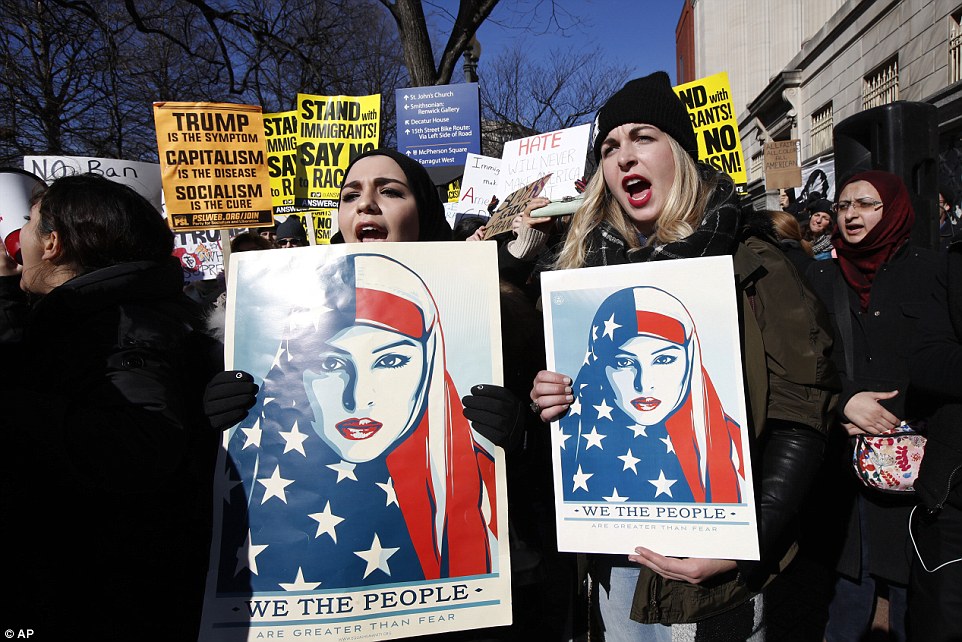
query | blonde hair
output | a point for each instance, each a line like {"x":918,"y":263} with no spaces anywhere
{"x":787,"y":227}
{"x":684,"y":208}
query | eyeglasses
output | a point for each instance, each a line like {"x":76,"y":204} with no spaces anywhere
{"x":289,"y":242}
{"x":860,"y":204}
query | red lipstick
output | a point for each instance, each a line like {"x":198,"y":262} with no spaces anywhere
{"x":638,"y":189}
{"x":357,"y":429}
{"x":645,"y":404}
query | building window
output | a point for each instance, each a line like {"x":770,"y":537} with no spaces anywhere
{"x":758,"y":165}
{"x":822,"y":129}
{"x":955,"y":48}
{"x":881,"y":87}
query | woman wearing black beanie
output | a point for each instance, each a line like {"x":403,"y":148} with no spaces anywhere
{"x":650,"y":199}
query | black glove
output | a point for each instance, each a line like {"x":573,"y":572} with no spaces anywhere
{"x":497,"y":414}
{"x":228,"y":397}
{"x":791,"y":455}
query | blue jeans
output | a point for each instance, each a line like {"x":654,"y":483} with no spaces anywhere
{"x":615,"y":606}
{"x":852,"y":606}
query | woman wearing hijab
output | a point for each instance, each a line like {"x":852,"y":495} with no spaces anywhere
{"x":387,"y":196}
{"x":650,"y":365}
{"x":384,"y":457}
{"x":874,"y":289}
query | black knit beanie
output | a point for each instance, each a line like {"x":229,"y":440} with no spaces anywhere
{"x":652,"y":101}
{"x":432,"y":226}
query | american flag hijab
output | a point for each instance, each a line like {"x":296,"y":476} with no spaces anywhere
{"x":422,"y":509}
{"x":693,"y":454}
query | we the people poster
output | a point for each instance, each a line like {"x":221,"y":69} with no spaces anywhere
{"x":654,"y":449}
{"x":355,"y":500}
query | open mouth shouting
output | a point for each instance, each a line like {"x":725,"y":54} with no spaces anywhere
{"x":369,"y":232}
{"x":358,"y":429}
{"x":645,"y":404}
{"x":637,"y":188}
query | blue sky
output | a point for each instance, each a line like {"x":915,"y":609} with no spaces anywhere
{"x":639,"y":34}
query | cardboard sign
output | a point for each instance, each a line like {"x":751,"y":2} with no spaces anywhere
{"x":213,"y":162}
{"x":512,"y":206}
{"x":654,"y":450}
{"x":713,"y":116}
{"x":781,"y":164}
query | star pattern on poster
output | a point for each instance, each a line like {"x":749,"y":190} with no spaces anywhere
{"x":299,"y":584}
{"x":615,"y":497}
{"x":274,"y":486}
{"x":247,"y":555}
{"x":630,"y":461}
{"x":638,"y":430}
{"x":610,"y":327}
{"x":294,"y":440}
{"x":254,"y":434}
{"x":376,"y":557}
{"x":388,"y":488}
{"x":344,"y":470}
{"x":326,"y":522}
{"x":604,"y":410}
{"x":668,"y":447}
{"x":593,"y":438}
{"x":581,"y":479}
{"x":662,"y":485}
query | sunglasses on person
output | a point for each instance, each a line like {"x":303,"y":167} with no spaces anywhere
{"x":290,"y":243}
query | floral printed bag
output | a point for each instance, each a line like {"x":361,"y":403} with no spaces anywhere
{"x":890,"y":461}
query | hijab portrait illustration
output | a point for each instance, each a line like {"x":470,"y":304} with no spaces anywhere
{"x":647,"y":424}
{"x":356,"y":466}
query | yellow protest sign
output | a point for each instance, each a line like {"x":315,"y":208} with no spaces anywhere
{"x":213,"y":164}
{"x":280,"y":129}
{"x":712,"y":114}
{"x":332,"y":131}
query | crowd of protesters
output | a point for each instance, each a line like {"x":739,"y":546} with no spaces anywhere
{"x":114,"y":396}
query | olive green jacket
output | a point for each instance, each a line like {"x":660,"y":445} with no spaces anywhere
{"x":786,"y":346}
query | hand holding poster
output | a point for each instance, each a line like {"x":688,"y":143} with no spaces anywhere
{"x":654,"y":450}
{"x":713,"y":116}
{"x":213,"y":160}
{"x":355,"y":499}
{"x":513,"y":205}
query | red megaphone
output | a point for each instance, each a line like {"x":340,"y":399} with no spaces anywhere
{"x":17,"y":188}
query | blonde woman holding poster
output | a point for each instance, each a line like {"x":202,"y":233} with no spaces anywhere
{"x":651,"y":200}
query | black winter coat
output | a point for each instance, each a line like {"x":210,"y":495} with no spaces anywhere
{"x":937,"y":368}
{"x":880,"y":347}
{"x":106,"y":487}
